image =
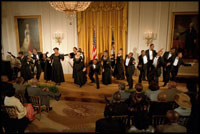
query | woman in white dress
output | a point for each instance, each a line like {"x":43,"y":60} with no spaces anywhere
{"x":27,"y":40}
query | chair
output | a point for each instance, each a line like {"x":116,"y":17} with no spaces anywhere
{"x":11,"y":110}
{"x":183,"y":120}
{"x":36,"y":102}
{"x":158,"y":120}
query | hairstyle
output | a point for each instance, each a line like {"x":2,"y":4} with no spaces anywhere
{"x":138,"y":87}
{"x":153,"y":86}
{"x":131,"y":53}
{"x":35,"y":49}
{"x":75,"y":48}
{"x":56,"y":48}
{"x":172,"y":84}
{"x":162,"y":97}
{"x":173,"y":48}
{"x":10,"y":91}
{"x":19,"y":80}
{"x":151,"y":44}
{"x":142,"y":51}
{"x":120,"y":49}
{"x":121,"y":86}
{"x":116,"y":97}
{"x":172,"y":116}
{"x":21,"y":53}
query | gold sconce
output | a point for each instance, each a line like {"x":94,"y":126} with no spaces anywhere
{"x":58,"y":37}
{"x":149,"y":37}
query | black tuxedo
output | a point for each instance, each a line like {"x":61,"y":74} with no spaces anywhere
{"x":155,"y":72}
{"x":130,"y":70}
{"x":94,"y":71}
{"x":167,"y":69}
{"x":36,"y":61}
{"x":149,"y":63}
{"x":142,"y":69}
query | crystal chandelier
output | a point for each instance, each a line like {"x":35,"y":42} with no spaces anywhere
{"x":70,"y":8}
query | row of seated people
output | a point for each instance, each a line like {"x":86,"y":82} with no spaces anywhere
{"x":143,"y":106}
{"x":18,"y":95}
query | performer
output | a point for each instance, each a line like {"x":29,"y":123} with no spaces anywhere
{"x":57,"y":70}
{"x":106,"y":71}
{"x":167,"y":58}
{"x":47,"y":68}
{"x":150,"y":53}
{"x":130,"y":68}
{"x":176,"y":63}
{"x":155,"y":71}
{"x":82,"y":53}
{"x":112,"y":57}
{"x":79,"y":70}
{"x":119,"y":69}
{"x":142,"y":66}
{"x":94,"y":70}
{"x":36,"y":56}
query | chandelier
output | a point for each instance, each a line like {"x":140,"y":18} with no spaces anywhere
{"x":70,"y":8}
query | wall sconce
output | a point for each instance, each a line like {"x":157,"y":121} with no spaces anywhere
{"x":58,"y":37}
{"x":149,"y":37}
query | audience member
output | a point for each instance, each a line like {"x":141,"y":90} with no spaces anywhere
{"x":172,"y":126}
{"x":124,"y":95}
{"x":44,"y":94}
{"x":184,"y":103}
{"x":19,"y":87}
{"x":153,"y":91}
{"x":171,"y":91}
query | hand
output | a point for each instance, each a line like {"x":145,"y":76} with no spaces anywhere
{"x":84,"y":69}
{"x":30,"y":52}
{"x":102,"y":70}
{"x":168,"y":63}
{"x":48,"y":58}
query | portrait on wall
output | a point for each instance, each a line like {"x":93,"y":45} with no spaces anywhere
{"x":28,"y":33}
{"x":185,"y":34}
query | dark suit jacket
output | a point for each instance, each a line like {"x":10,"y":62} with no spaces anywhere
{"x":97,"y":69}
{"x":131,"y":66}
{"x":140,"y":62}
{"x":159,"y":65}
{"x":165,"y":56}
{"x":180,"y":62}
{"x":147,"y":54}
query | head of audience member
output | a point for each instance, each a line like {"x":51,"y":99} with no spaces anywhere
{"x":116,"y":97}
{"x":94,"y":61}
{"x":4,"y":78}
{"x":153,"y":86}
{"x":56,"y":50}
{"x":10,"y":91}
{"x":183,"y":100}
{"x":172,"y":116}
{"x":20,"y":54}
{"x":121,"y":86}
{"x":179,"y":55}
{"x":172,"y":50}
{"x":171,"y":85}
{"x":34,"y":82}
{"x":151,"y":46}
{"x":105,"y":53}
{"x":143,"y":52}
{"x":34,"y":50}
{"x":19,"y":80}
{"x":138,"y":88}
{"x":162,"y":97}
{"x":75,"y":49}
{"x":130,"y":54}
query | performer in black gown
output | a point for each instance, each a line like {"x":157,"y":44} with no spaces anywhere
{"x":112,"y":57}
{"x":82,"y":53}
{"x":47,"y":68}
{"x":106,"y":71}
{"x":79,"y":70}
{"x":26,"y":68}
{"x":57,"y":70}
{"x":119,"y":68}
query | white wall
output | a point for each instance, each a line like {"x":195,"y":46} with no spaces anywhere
{"x":155,"y":17}
{"x":51,"y":20}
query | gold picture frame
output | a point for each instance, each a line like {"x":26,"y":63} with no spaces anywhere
{"x":28,"y":33}
{"x":180,"y":24}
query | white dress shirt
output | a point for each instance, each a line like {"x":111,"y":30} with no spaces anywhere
{"x":169,"y":55}
{"x":94,"y":66}
{"x":144,"y":59}
{"x":155,"y":61}
{"x":127,"y":61}
{"x":13,"y":101}
{"x":176,"y":61}
{"x":150,"y":54}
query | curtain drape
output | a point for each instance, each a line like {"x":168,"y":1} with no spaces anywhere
{"x":103,"y":19}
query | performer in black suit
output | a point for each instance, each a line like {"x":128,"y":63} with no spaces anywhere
{"x":167,"y":58}
{"x":150,"y":53}
{"x":176,"y":63}
{"x":142,"y":66}
{"x":37,"y":56}
{"x":155,"y":71}
{"x":130,"y":68}
{"x":94,"y":70}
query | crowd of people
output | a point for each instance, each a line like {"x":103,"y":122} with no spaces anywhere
{"x":143,"y":105}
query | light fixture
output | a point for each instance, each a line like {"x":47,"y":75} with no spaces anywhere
{"x":71,"y":7}
{"x":58,"y":37}
{"x":149,"y":37}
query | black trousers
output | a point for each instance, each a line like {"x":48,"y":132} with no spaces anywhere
{"x":153,"y":75}
{"x":39,"y":69}
{"x":96,"y":77}
{"x":166,"y":74}
{"x":174,"y":72}
{"x":142,"y":73}
{"x":149,"y":67}
{"x":129,"y":78}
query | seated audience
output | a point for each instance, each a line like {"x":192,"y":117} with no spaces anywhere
{"x":172,"y":126}
{"x":153,"y":91}
{"x":44,"y":94}
{"x":19,"y":87}
{"x":124,"y":95}
{"x":171,"y":91}
{"x":184,"y":103}
{"x":5,"y":85}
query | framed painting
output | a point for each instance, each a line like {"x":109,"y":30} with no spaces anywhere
{"x":28,"y":33}
{"x":185,"y":34}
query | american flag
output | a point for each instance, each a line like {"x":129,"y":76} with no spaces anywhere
{"x":94,"y":52}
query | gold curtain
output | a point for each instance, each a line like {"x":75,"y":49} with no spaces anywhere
{"x":103,"y":18}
